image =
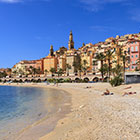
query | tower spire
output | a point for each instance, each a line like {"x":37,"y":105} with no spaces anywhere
{"x":51,"y":51}
{"x":71,"y":42}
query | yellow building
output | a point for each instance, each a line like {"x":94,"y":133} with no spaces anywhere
{"x":50,"y":61}
{"x":62,"y":63}
{"x":70,"y":59}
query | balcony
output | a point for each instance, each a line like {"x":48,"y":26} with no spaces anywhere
{"x":134,"y":51}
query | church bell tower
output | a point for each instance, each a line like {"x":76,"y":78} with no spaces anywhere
{"x":51,"y":51}
{"x":71,"y":42}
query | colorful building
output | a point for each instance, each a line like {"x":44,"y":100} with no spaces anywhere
{"x":134,"y":46}
{"x":50,"y":61}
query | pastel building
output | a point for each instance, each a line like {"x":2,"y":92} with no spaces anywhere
{"x":134,"y":47}
{"x":50,"y":61}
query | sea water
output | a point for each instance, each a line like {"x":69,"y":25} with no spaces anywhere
{"x":23,"y":106}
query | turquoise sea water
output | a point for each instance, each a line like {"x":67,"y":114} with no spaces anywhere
{"x":22,"y":106}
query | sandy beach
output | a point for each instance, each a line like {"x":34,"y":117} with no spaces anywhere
{"x":96,"y":117}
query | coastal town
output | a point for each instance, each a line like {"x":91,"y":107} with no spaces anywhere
{"x":91,"y":60}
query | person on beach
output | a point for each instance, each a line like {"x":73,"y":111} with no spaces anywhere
{"x":129,"y":93}
{"x":128,"y":87}
{"x":107,"y":92}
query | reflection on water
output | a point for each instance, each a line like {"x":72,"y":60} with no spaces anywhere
{"x":22,"y":106}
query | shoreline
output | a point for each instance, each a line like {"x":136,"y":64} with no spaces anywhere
{"x":93,"y":116}
{"x":50,"y":119}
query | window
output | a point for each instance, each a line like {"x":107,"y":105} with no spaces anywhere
{"x":132,"y":42}
{"x":128,"y":50}
{"x":132,"y":49}
{"x":136,"y":48}
{"x":136,"y":56}
{"x":132,"y":67}
{"x":132,"y":56}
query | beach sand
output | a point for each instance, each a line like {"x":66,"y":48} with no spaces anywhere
{"x":96,"y":117}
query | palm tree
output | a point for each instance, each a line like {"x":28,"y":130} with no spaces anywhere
{"x":85,"y":62}
{"x":85,"y":66}
{"x":34,"y":70}
{"x":104,"y":69}
{"x":78,"y":67}
{"x":108,"y":56}
{"x":59,"y":72}
{"x":21,"y":72}
{"x":138,"y":64}
{"x":68,"y":67}
{"x":3,"y":74}
{"x":101,"y":57}
{"x":53,"y":70}
{"x":124,"y":59}
{"x":94,"y":63}
{"x":46,"y":72}
{"x":77,"y":64}
{"x":119,"y":54}
{"x":117,"y":71}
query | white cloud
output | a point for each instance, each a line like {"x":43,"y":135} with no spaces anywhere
{"x":95,"y":5}
{"x":11,"y":1}
{"x":18,"y":1}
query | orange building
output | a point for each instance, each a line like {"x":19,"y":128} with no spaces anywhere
{"x":50,"y":61}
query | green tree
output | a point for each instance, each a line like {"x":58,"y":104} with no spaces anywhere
{"x":46,"y":72}
{"x":94,"y":63}
{"x":59,"y":72}
{"x":101,"y":57}
{"x":138,"y":64}
{"x":15,"y":72}
{"x":108,"y":57}
{"x":77,"y":64}
{"x":85,"y":66}
{"x":124,"y":59}
{"x":21,"y":72}
{"x":104,"y":69}
{"x":3,"y":74}
{"x":117,"y":72}
{"x":68,"y":67}
{"x":53,"y":71}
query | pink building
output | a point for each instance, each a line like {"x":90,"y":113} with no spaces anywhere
{"x":134,"y":48}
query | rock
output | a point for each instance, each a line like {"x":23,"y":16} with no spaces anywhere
{"x":82,"y":106}
{"x":90,"y":119}
{"x":66,"y":135}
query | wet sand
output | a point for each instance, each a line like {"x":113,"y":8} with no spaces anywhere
{"x":97,"y":117}
{"x":57,"y":104}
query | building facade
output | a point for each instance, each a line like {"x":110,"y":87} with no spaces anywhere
{"x":134,"y":46}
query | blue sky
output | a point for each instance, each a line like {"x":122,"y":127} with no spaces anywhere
{"x":29,"y":27}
